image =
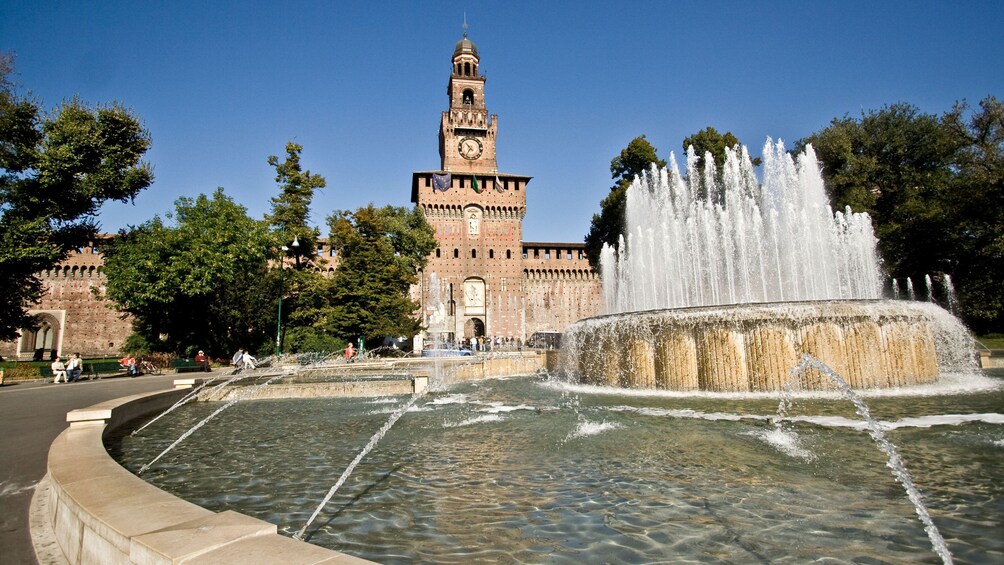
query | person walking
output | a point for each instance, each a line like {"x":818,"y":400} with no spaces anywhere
{"x":349,"y":352}
{"x":58,"y":371}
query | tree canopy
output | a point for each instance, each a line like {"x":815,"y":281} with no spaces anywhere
{"x":608,"y":225}
{"x":380,"y":251}
{"x":56,"y":170}
{"x":202,"y":283}
{"x":291,"y":208}
{"x":933,"y":188}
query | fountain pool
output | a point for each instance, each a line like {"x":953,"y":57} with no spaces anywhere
{"x":534,"y":470}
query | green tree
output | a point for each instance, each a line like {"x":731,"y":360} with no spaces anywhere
{"x":933,"y":188}
{"x":976,"y":202}
{"x":56,"y":170}
{"x":897,"y":165}
{"x":291,"y":208}
{"x":608,"y":225}
{"x":708,"y":140}
{"x":380,"y":251}
{"x":202,"y":283}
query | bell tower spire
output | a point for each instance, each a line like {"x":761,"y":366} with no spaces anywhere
{"x":467,"y":132}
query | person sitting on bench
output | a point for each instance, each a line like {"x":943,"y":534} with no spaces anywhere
{"x":58,"y":370}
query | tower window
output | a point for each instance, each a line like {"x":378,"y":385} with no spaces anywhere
{"x":467,"y":69}
{"x":456,"y":253}
{"x":437,"y":253}
{"x":469,"y":97}
{"x":474,"y":253}
{"x":491,"y":253}
{"x":427,"y":179}
{"x":508,"y":254}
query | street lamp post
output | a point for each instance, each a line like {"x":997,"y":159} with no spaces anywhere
{"x":282,"y":288}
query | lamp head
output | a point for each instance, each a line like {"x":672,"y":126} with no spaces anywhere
{"x":296,"y":242}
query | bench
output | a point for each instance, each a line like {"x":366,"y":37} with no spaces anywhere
{"x":185,"y":365}
{"x":95,"y":369}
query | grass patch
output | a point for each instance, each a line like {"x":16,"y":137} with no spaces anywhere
{"x":990,"y":341}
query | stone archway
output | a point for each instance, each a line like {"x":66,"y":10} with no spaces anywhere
{"x":46,"y":338}
{"x":474,"y":327}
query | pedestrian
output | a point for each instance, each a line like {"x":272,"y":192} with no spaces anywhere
{"x":74,"y":368}
{"x":349,"y":352}
{"x":237,"y":358}
{"x":58,"y":370}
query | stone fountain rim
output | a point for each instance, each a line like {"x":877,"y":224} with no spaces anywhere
{"x":802,"y":307}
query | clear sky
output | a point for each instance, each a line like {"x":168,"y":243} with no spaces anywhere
{"x":361,"y":85}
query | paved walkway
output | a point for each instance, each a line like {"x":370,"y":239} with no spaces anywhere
{"x":32,"y":414}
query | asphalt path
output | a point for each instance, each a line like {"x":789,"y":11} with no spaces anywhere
{"x":32,"y":414}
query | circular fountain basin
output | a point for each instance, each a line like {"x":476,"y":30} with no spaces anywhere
{"x":528,"y":471}
{"x":751,"y":347}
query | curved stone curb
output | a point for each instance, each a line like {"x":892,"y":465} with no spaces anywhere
{"x":101,"y":513}
{"x":47,"y":551}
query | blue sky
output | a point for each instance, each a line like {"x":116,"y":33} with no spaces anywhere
{"x":361,"y":85}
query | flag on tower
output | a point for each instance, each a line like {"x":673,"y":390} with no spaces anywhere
{"x":441,"y":183}
{"x":499,"y":187}
{"x":474,"y":184}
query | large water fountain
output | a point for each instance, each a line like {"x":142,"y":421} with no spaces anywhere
{"x":554,"y":470}
{"x":724,"y":281}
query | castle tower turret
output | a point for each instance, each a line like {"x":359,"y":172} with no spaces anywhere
{"x":467,"y":132}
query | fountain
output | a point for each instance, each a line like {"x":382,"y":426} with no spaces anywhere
{"x":705,"y":469}
{"x":534,"y":470}
{"x":722,"y":285}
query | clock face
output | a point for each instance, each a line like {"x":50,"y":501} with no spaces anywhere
{"x":470,"y":148}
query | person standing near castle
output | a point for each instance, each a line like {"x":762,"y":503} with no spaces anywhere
{"x":349,"y":352}
{"x":58,"y":370}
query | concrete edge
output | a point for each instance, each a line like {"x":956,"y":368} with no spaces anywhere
{"x":43,"y":538}
{"x":98,"y":512}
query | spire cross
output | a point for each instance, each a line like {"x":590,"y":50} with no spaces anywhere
{"x":465,"y":24}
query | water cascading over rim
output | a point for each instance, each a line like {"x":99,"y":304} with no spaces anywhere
{"x":722,"y":282}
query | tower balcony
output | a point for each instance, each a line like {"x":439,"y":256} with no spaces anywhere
{"x":468,"y":118}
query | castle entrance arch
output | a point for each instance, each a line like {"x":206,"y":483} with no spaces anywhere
{"x":40,"y":342}
{"x":474,"y":327}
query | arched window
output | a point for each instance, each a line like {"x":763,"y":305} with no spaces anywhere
{"x":467,"y":69}
{"x":508,"y":254}
{"x":469,"y":97}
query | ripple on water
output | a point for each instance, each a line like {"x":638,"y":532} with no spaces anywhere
{"x":512,"y":471}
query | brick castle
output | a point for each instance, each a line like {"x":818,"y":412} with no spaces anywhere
{"x":482,"y":280}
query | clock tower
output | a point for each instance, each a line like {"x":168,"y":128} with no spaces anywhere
{"x":467,"y":132}
{"x":476,"y":274}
